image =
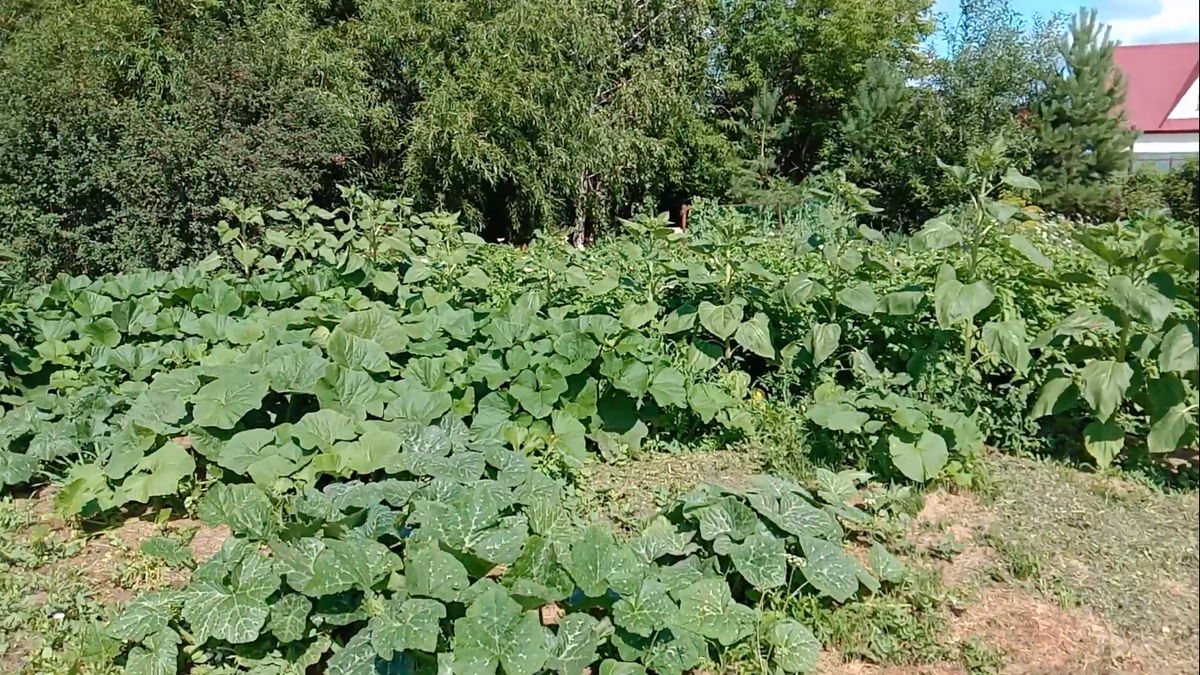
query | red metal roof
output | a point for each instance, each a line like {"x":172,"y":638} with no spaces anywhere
{"x":1156,"y":78}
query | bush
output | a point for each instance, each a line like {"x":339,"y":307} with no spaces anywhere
{"x":1181,"y":192}
{"x":119,"y":137}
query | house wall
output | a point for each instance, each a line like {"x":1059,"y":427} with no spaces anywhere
{"x":1165,"y":149}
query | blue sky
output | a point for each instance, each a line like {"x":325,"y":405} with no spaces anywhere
{"x":1132,"y":21}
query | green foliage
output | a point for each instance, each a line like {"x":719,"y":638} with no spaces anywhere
{"x":1083,"y":136}
{"x":907,"y":115}
{"x":1181,"y":191}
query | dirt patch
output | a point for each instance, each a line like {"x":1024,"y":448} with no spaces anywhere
{"x":1042,"y":638}
{"x":632,"y":492}
{"x":832,"y":663}
{"x":208,"y":541}
{"x":950,"y":530}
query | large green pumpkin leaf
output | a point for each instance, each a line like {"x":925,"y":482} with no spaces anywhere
{"x":157,"y":474}
{"x":592,"y":560}
{"x":223,"y":402}
{"x":720,"y":320}
{"x":829,"y":569}
{"x":837,"y":416}
{"x":761,"y":559}
{"x":727,"y":517}
{"x":322,"y":429}
{"x":572,"y":648}
{"x":495,"y":631}
{"x":793,"y":646}
{"x":144,"y":615}
{"x":235,"y":611}
{"x":351,"y":351}
{"x":245,"y":508}
{"x":288,"y":620}
{"x":885,"y":565}
{"x":707,"y":608}
{"x":294,"y":368}
{"x":433,"y":573}
{"x":1104,"y":384}
{"x":646,"y":610}
{"x":406,"y":624}
{"x":157,"y":655}
{"x":537,"y":573}
{"x":159,"y":412}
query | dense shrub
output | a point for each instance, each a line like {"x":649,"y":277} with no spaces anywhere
{"x":1181,"y":192}
{"x":120,"y":131}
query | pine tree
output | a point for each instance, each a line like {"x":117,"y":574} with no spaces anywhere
{"x":1082,"y":129}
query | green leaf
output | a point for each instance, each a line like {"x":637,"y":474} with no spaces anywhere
{"x":885,"y":565}
{"x":158,"y":412}
{"x":1016,"y":179}
{"x":1104,"y":384}
{"x":1179,"y":351}
{"x":294,"y":368}
{"x":755,"y":336}
{"x":537,"y":573}
{"x":823,"y":341}
{"x":667,"y":388}
{"x":322,"y":429}
{"x":406,"y":624}
{"x":646,"y":610}
{"x":223,"y":402}
{"x":572,"y":648}
{"x":1007,"y":340}
{"x":145,"y":615}
{"x":174,"y":553}
{"x":707,"y":608}
{"x":634,"y":315}
{"x":793,"y":646}
{"x":350,"y":351}
{"x":434,"y":573}
{"x":496,"y":631}
{"x":728,"y":517}
{"x":157,"y":655}
{"x":158,"y":474}
{"x":921,"y":461}
{"x":903,"y":303}
{"x":761,"y":560}
{"x":220,"y":298}
{"x":245,"y":508}
{"x":837,"y":416}
{"x":937,"y":234}
{"x":239,"y":453}
{"x":1168,"y":432}
{"x":1026,"y":248}
{"x":955,"y":302}
{"x":860,"y":298}
{"x":1050,"y":401}
{"x":1103,"y":441}
{"x":415,"y":403}
{"x":1142,"y":302}
{"x":829,"y":569}
{"x":103,"y":331}
{"x":592,"y":559}
{"x":680,"y":319}
{"x":720,"y":320}
{"x":288,"y":620}
{"x":15,"y":468}
{"x":236,"y":612}
{"x":708,"y":399}
{"x":611,"y":667}
{"x":475,"y":278}
{"x":358,"y":657}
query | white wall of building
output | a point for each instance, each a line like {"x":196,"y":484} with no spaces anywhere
{"x":1165,"y":150}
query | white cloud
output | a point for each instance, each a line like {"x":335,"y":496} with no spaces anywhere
{"x":1175,"y":21}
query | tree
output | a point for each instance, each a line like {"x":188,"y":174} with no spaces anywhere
{"x":906,"y":116}
{"x":1083,"y":136}
{"x":816,"y":53}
